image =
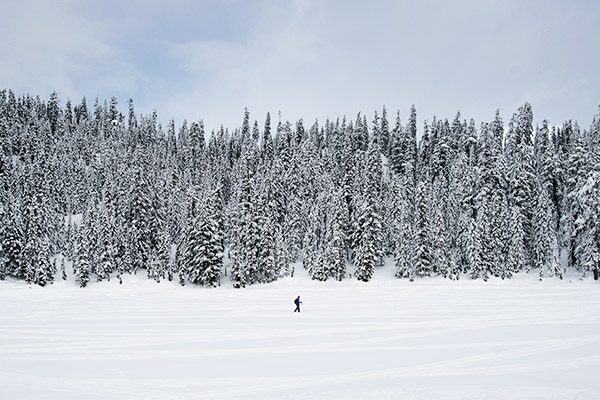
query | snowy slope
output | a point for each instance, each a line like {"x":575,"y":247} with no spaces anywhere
{"x":431,"y":339}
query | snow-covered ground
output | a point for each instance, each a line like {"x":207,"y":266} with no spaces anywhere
{"x":387,"y":339}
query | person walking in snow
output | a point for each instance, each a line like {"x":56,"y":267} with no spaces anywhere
{"x":297,"y":302}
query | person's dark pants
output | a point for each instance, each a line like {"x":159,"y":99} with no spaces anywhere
{"x":297,"y":308}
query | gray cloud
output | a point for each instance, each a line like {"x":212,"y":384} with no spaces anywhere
{"x":309,"y":59}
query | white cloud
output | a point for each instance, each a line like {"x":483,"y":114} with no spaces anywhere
{"x":47,"y":47}
{"x":309,"y":59}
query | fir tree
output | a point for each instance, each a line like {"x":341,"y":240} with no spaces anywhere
{"x":384,"y":142}
{"x":545,"y":243}
{"x":82,"y":270}
{"x":204,"y":252}
{"x":423,"y":256}
{"x":334,"y":252}
{"x":12,"y":237}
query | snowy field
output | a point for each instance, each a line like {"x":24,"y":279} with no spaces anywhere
{"x":387,"y":339}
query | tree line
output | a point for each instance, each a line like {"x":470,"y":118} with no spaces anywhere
{"x":119,"y":194}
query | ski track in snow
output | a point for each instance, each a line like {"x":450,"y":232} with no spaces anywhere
{"x":388,"y":339}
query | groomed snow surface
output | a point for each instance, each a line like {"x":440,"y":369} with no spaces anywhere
{"x":386,"y":339}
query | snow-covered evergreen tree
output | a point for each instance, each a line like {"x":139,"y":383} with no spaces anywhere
{"x":82,"y":268}
{"x":485,"y":202}
{"x":203,"y":253}
{"x":545,"y":241}
{"x":403,"y":223}
{"x":423,"y":251}
{"x":12,"y":236}
{"x":313,"y":253}
{"x":334,"y":252}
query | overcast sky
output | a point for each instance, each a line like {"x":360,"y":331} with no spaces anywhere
{"x":310,"y":59}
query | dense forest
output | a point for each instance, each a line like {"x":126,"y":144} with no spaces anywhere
{"x":116,"y":194}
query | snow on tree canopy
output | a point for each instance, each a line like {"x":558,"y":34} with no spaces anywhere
{"x":116,"y":194}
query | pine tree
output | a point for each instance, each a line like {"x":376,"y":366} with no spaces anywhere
{"x":140,"y":227}
{"x":244,"y":235}
{"x":267,"y":251}
{"x":203,"y":252}
{"x":37,"y":247}
{"x":312,"y":252}
{"x":385,"y":134}
{"x":514,"y":240}
{"x":545,"y":243}
{"x":440,"y":233}
{"x":423,"y":253}
{"x":267,"y":140}
{"x":402,"y":222}
{"x":376,"y":137}
{"x":365,"y":242}
{"x":586,"y":227}
{"x":82,"y":270}
{"x":577,"y":168}
{"x":12,"y":236}
{"x":106,"y":247}
{"x":367,"y":232}
{"x":334,"y":253}
{"x":397,"y":147}
{"x":54,"y":112}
